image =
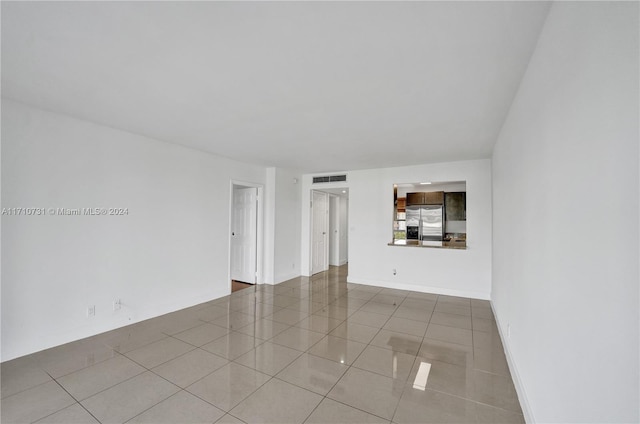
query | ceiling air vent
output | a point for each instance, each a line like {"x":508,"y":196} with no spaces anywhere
{"x":329,"y":179}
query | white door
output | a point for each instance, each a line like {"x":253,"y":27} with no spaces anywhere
{"x":244,"y":230}
{"x":319,"y":229}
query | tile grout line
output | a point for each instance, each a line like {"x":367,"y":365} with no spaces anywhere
{"x":352,"y":364}
{"x":257,"y":388}
{"x":343,"y":374}
{"x":349,"y":366}
{"x":319,"y":288}
{"x":131,"y":378}
{"x":72,"y":397}
{"x":29,"y":388}
{"x":170,"y":382}
{"x":325,"y":334}
{"x":404,"y":386}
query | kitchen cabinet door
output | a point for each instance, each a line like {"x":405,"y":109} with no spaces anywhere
{"x":434,"y":198}
{"x":455,"y":206}
{"x":415,"y":199}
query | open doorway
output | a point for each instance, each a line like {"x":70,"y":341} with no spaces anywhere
{"x":329,"y":228}
{"x":245,"y":235}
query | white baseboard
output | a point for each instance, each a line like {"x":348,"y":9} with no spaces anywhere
{"x":418,"y":288}
{"x":127,"y":315}
{"x":286,"y":277}
{"x":515,"y":375}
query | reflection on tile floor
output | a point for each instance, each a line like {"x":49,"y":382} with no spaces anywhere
{"x":314,"y":350}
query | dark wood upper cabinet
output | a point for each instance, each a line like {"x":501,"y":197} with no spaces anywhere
{"x":422,"y":198}
{"x":434,"y":198}
{"x":415,"y":199}
{"x":455,"y":205}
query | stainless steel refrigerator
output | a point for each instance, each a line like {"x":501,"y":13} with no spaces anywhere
{"x":425,"y":222}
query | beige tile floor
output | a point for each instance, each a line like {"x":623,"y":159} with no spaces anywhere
{"x":312,"y":350}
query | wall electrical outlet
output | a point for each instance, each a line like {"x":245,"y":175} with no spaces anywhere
{"x":117,"y":305}
{"x":91,"y":311}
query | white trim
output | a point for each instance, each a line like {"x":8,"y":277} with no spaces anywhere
{"x":260,"y":237}
{"x":309,"y":271}
{"x":269,"y":225}
{"x":418,"y":288}
{"x":515,"y":375}
{"x":285,"y":277}
{"x":130,"y":314}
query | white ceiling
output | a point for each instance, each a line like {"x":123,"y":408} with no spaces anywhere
{"x":315,"y":86}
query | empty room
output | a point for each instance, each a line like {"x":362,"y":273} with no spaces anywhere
{"x":320,"y":212}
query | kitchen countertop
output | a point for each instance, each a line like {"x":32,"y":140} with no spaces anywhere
{"x":456,"y":244}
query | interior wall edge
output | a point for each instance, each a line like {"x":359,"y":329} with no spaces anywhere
{"x":527,"y":411}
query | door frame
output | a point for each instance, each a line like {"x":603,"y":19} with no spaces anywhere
{"x":327,"y":235}
{"x":259,"y":228}
{"x":334,"y":237}
{"x":307,"y":188}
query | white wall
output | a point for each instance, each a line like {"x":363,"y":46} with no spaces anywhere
{"x":565,"y":239}
{"x":343,"y":230}
{"x":169,"y":252}
{"x":287,"y":225}
{"x":269,"y":226}
{"x":447,"y":271}
{"x":334,"y":230}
